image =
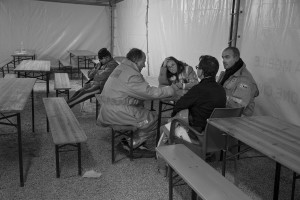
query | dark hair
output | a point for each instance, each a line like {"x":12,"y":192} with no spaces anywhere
{"x":235,"y":51}
{"x":135,"y":55}
{"x":180,"y":68}
{"x":103,"y":53}
{"x":209,"y":65}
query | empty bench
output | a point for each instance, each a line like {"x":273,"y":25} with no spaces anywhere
{"x":62,"y":84}
{"x":204,"y":180}
{"x":66,"y":65}
{"x":65,"y":129}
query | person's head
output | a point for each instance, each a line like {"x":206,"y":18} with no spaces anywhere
{"x":174,"y":66}
{"x":104,"y":56}
{"x":230,"y":56}
{"x":208,"y":66}
{"x":138,"y":57}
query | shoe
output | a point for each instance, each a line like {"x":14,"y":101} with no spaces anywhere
{"x":139,"y":152}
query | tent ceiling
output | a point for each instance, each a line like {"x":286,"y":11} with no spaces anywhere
{"x":87,"y":2}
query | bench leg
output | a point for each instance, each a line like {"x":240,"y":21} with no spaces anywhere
{"x":79,"y":158}
{"x":131,"y":145}
{"x":194,"y":195}
{"x":170,"y":182}
{"x":57,"y":160}
{"x":56,"y":93}
{"x":112,"y":146}
{"x":293,"y":186}
{"x":68,"y":94}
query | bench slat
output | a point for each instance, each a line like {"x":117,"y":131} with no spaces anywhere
{"x":61,"y":81}
{"x":10,"y":76}
{"x":64,"y":126}
{"x":208,"y":183}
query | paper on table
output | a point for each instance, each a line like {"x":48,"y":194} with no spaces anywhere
{"x":91,"y":174}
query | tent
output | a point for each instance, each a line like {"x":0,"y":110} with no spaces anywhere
{"x":266,"y":32}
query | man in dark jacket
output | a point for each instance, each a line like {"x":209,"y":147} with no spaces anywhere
{"x":98,"y":77}
{"x":201,"y":99}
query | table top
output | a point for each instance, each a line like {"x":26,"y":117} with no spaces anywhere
{"x":152,"y":80}
{"x":14,"y":93}
{"x":275,"y":138}
{"x":204,"y":179}
{"x":82,"y":53}
{"x":33,"y":66}
{"x":25,"y":52}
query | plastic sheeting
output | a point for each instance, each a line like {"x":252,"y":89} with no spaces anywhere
{"x":270,"y":46}
{"x":184,"y":29}
{"x":51,"y":29}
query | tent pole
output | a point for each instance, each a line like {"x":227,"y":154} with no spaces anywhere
{"x":231,"y":24}
{"x":147,"y":37}
{"x":112,"y":6}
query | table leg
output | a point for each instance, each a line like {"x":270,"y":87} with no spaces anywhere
{"x":78,"y":65}
{"x":14,"y":58}
{"x":170,"y":182}
{"x":152,"y":109}
{"x":32,"y":109}
{"x":20,"y":149}
{"x":97,"y":108}
{"x":47,"y":83}
{"x":224,"y":154}
{"x":277,"y":181}
{"x":158,"y":122}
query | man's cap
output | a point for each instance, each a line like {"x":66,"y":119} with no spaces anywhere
{"x":103,"y":53}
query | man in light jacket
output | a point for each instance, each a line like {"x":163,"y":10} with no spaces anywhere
{"x":123,"y":96}
{"x":240,"y":86}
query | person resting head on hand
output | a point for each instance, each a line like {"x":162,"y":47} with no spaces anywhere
{"x":177,"y":73}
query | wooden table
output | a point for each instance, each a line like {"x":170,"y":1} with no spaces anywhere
{"x":23,"y":55}
{"x":82,"y":56}
{"x":14,"y":94}
{"x":275,"y":138}
{"x":35,"y":69}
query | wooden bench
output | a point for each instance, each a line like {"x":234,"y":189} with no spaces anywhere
{"x":11,"y":76}
{"x":6,"y":63}
{"x":65,"y":129}
{"x":66,"y":65}
{"x":62,"y":83}
{"x":204,"y":180}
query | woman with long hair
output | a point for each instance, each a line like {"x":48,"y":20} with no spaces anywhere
{"x":176,"y":72}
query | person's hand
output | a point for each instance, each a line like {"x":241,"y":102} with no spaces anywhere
{"x":179,"y":85}
{"x":175,"y":87}
{"x":165,"y":63}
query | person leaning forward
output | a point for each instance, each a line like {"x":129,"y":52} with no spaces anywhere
{"x":240,"y":86}
{"x":124,"y":94}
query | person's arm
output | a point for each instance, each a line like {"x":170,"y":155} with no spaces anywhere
{"x":140,"y":89}
{"x":186,"y":101}
{"x":162,"y":78}
{"x":93,"y":72}
{"x":103,"y":75}
{"x":192,"y":79}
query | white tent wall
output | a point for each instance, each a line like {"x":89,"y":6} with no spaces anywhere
{"x":187,"y":29}
{"x":184,"y":29}
{"x":270,"y":46}
{"x":51,"y":29}
{"x":130,"y":26}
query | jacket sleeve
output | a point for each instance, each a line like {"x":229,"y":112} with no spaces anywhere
{"x":192,"y":78}
{"x":162,"y":78}
{"x":93,"y":72}
{"x":140,"y":89}
{"x":243,"y":95}
{"x":186,"y":101}
{"x":103,"y":75}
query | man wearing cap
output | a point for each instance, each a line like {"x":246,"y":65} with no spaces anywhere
{"x":98,"y":77}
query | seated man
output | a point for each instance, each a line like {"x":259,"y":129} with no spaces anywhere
{"x":123,"y":96}
{"x":200,"y":101}
{"x":98,"y":77}
{"x":240,"y":87}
